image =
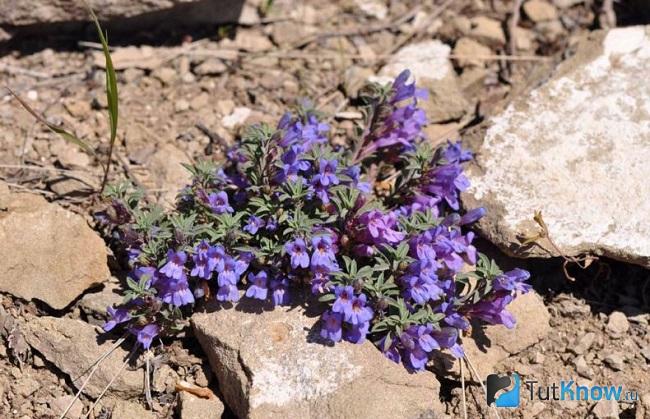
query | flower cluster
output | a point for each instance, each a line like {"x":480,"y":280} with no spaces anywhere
{"x":374,"y":230}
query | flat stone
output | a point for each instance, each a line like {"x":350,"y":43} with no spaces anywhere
{"x":273,"y":364}
{"x":487,"y":30}
{"x":167,"y":172}
{"x":576,"y":148}
{"x":615,"y":361}
{"x":606,"y":409}
{"x":210,"y":67}
{"x":429,"y":63}
{"x":47,"y":252}
{"x":617,"y":324}
{"x":193,"y":407}
{"x":582,"y":343}
{"x":468,"y":52}
{"x":123,"y":409}
{"x":539,"y":10}
{"x":94,"y":304}
{"x":72,"y":346}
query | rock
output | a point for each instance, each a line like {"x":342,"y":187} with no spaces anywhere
{"x":490,"y":345}
{"x":181,"y":105}
{"x":429,"y":63}
{"x":606,"y":409}
{"x":373,"y":8}
{"x":354,"y":79}
{"x":565,"y":4}
{"x":72,"y":346}
{"x":94,"y":304}
{"x":272,"y":364}
{"x":538,"y":358}
{"x":468,"y":48}
{"x":248,"y":40}
{"x":126,"y":12}
{"x":615,"y":361}
{"x":539,"y":11}
{"x":66,"y":186}
{"x":167,"y":172}
{"x":122,"y":409}
{"x":192,"y":407}
{"x":77,"y":108}
{"x":47,"y":252}
{"x":238,"y":116}
{"x":132,"y":58}
{"x":210,"y":67}
{"x":582,"y":343}
{"x":582,"y":368}
{"x":524,"y":39}
{"x":487,"y":30}
{"x":566,"y":149}
{"x":69,"y":155}
{"x":200,"y":101}
{"x":617,"y":324}
{"x":165,"y":75}
{"x":59,"y":405}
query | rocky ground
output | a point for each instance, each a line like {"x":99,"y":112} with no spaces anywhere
{"x":187,"y":90}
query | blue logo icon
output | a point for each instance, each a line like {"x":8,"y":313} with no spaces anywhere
{"x":510,"y":398}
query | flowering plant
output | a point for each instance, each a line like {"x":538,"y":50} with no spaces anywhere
{"x":374,"y":231}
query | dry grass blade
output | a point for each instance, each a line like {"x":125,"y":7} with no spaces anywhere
{"x":110,"y":383}
{"x":57,"y":130}
{"x":111,"y":95}
{"x":93,"y":368}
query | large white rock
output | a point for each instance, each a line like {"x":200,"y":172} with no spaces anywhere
{"x":578,"y":149}
{"x":273,"y":364}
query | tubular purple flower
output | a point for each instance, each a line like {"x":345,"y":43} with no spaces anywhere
{"x":254,"y":224}
{"x":228,"y":292}
{"x":514,"y":280}
{"x":280,"y":289}
{"x":357,"y":312}
{"x":146,"y":334}
{"x":175,"y":264}
{"x":297,"y":250}
{"x":357,"y":332}
{"x":259,"y":286}
{"x":331,"y":326}
{"x":344,"y":296}
{"x":218,"y":203}
{"x":323,"y":254}
{"x":117,"y":316}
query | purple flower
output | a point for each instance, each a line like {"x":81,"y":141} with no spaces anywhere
{"x":326,"y":173}
{"x":201,"y":268}
{"x":147,"y":272}
{"x":331,"y":326}
{"x":323,"y":252}
{"x":254,"y":223}
{"x":232,"y":271}
{"x":378,"y":228}
{"x":228,"y":292}
{"x":258,"y":288}
{"x":175,"y":264}
{"x":421,"y":290}
{"x":320,"y":279}
{"x":454,"y":153}
{"x":472,"y":216}
{"x":147,"y":333}
{"x":418,"y":342}
{"x":218,"y":202}
{"x":391,"y":352}
{"x":117,"y":316}
{"x":216,"y":258}
{"x":357,"y":332}
{"x":357,"y":312}
{"x":297,"y":250}
{"x":494,"y":311}
{"x":344,"y":296}
{"x":354,"y":172}
{"x":514,"y":280}
{"x":176,"y":292}
{"x":280,"y":288}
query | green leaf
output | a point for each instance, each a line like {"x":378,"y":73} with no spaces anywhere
{"x":67,"y":136}
{"x":326,"y":298}
{"x":111,"y":92}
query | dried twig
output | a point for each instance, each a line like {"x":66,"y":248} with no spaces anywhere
{"x":462,"y":385}
{"x":94,"y":368}
{"x":110,"y":383}
{"x":477,"y":377}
